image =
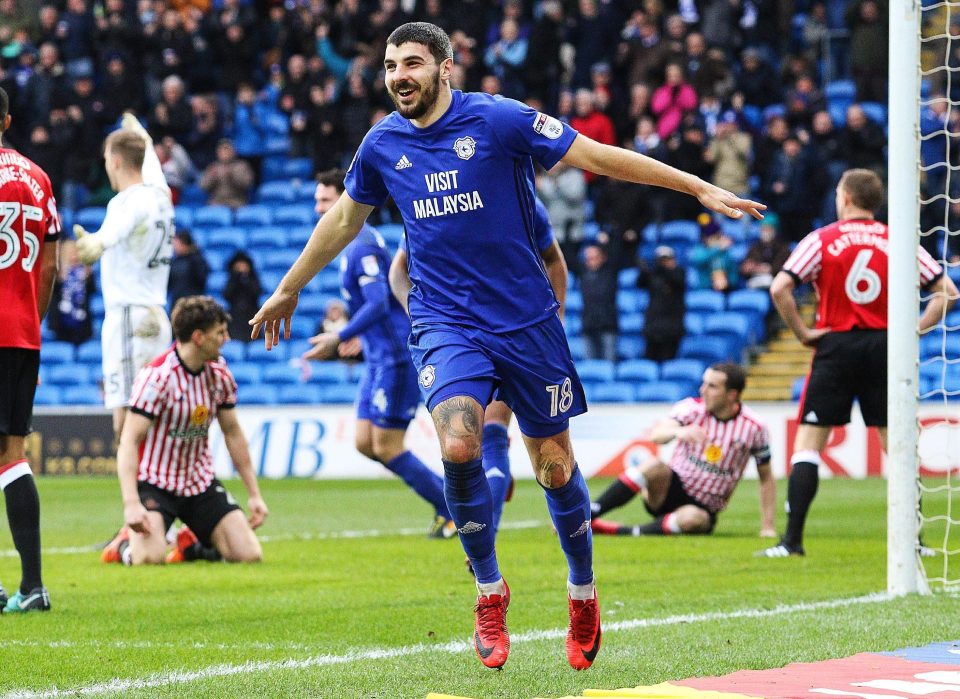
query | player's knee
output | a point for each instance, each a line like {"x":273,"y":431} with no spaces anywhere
{"x":246,"y":555}
{"x":365,"y":446}
{"x":460,"y":449}
{"x":553,"y":474}
{"x":140,"y":558}
{"x":694,"y":521}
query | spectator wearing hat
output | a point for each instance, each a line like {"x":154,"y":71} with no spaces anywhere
{"x":730,"y":153}
{"x":666,"y":282}
{"x":756,"y":79}
{"x":711,"y":258}
{"x":227,"y":180}
{"x":766,"y":256}
{"x":242,"y":294}
{"x":188,"y":268}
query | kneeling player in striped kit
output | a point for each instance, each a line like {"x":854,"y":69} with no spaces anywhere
{"x":716,"y":436}
{"x":164,"y":461}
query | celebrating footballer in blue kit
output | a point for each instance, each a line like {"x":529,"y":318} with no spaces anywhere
{"x":484,"y":317}
{"x":388,"y":396}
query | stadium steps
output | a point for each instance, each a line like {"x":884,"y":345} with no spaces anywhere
{"x":772,"y":375}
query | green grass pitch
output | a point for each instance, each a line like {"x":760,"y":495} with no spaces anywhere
{"x":385,"y":612}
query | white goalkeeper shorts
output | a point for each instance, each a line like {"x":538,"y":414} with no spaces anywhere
{"x":131,"y":337}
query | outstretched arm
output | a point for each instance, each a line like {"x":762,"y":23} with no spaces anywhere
{"x":587,"y":154}
{"x":768,"y":499}
{"x":333,"y":231}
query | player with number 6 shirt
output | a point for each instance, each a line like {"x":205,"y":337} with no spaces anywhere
{"x":847,"y":264}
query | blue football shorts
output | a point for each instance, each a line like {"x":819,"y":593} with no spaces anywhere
{"x":388,"y":395}
{"x":530,"y":369}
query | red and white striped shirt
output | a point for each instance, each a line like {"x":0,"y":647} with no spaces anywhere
{"x":175,"y":455}
{"x":710,"y":471}
{"x":847,"y":262}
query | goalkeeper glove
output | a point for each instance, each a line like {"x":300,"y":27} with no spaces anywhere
{"x":89,"y":245}
{"x":129,"y":121}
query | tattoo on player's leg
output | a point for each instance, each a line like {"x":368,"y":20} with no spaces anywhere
{"x":553,"y":462}
{"x":459,"y":423}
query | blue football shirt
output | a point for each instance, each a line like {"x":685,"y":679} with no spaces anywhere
{"x":541,"y":226}
{"x":363,"y":280}
{"x":465,"y":188}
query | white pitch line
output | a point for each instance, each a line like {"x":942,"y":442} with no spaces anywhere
{"x":183,"y":676}
{"x":305,"y":536}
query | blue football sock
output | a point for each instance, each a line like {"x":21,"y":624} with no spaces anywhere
{"x":421,"y":480}
{"x":468,"y":497}
{"x":496,"y":464}
{"x":569,"y":507}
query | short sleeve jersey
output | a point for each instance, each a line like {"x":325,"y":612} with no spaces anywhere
{"x":28,"y":220}
{"x":711,"y":471}
{"x":365,"y":261}
{"x":847,"y":263}
{"x":175,"y":456}
{"x":465,"y":189}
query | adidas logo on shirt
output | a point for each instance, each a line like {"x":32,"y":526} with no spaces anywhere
{"x":403,"y":163}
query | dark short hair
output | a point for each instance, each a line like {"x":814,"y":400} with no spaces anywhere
{"x":864,"y":187}
{"x":4,"y":105}
{"x":736,"y":376}
{"x":129,"y":145}
{"x":196,"y":313}
{"x":332,"y":178}
{"x":430,"y":35}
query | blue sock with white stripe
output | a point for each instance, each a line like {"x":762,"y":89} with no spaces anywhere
{"x":496,"y":465}
{"x":470,"y":503}
{"x":421,"y":480}
{"x":569,"y":507}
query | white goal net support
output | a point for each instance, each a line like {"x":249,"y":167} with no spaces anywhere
{"x":923,"y":537}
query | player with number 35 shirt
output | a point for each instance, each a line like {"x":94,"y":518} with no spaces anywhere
{"x":847,"y":264}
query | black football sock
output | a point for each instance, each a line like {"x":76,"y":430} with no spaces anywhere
{"x":23,"y":515}
{"x":801,"y":490}
{"x":617,"y":495}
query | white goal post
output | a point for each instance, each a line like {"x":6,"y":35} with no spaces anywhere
{"x":904,"y":571}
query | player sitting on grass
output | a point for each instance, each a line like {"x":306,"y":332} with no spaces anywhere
{"x":164,"y":461}
{"x":716,"y":436}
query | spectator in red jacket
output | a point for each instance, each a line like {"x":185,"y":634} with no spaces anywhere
{"x":592,"y":123}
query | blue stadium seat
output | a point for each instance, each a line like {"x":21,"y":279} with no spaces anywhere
{"x":643,"y":299}
{"x":278,"y":192}
{"x":572,"y":324}
{"x":338,"y":394}
{"x":299,"y":394}
{"x":578,"y":348}
{"x":680,"y":232}
{"x":271,"y":168}
{"x":246,"y":372}
{"x":301,"y":328}
{"x":754,"y":300}
{"x":256,"y":352}
{"x":329,"y":373}
{"x":90,"y":352}
{"x":97,"y":307}
{"x":690,"y":370}
{"x":216,"y":281}
{"x":731,"y":324}
{"x":69,"y":374}
{"x":298,"y":167}
{"x":392,"y":233}
{"x":47,"y":395}
{"x":314,"y":304}
{"x":226,"y":238}
{"x":838,"y":114}
{"x":82,"y":395}
{"x":650,"y":235}
{"x":91,"y":217}
{"x":192,"y":195}
{"x":704,"y":300}
{"x":279,"y":259}
{"x":631,"y":323}
{"x":626,"y":302}
{"x":595,"y":370}
{"x":56,"y":352}
{"x":796,"y":389}
{"x":709,"y":348}
{"x":638,"y":371}
{"x":840,"y":90}
{"x":254,"y":214}
{"x":693,"y":323}
{"x":298,"y":236}
{"x":213,"y":216}
{"x":627,"y":278}
{"x":183,"y":215}
{"x":614,"y":392}
{"x":294,"y":215}
{"x":258,"y":394}
{"x":281,"y":374}
{"x":574,"y":302}
{"x":267,"y":236}
{"x":629,"y":347}
{"x":662,"y":392}
{"x":232,"y":352}
{"x":875,"y":111}
{"x":773,"y":110}
{"x":269,"y":280}
{"x":738,"y":231}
